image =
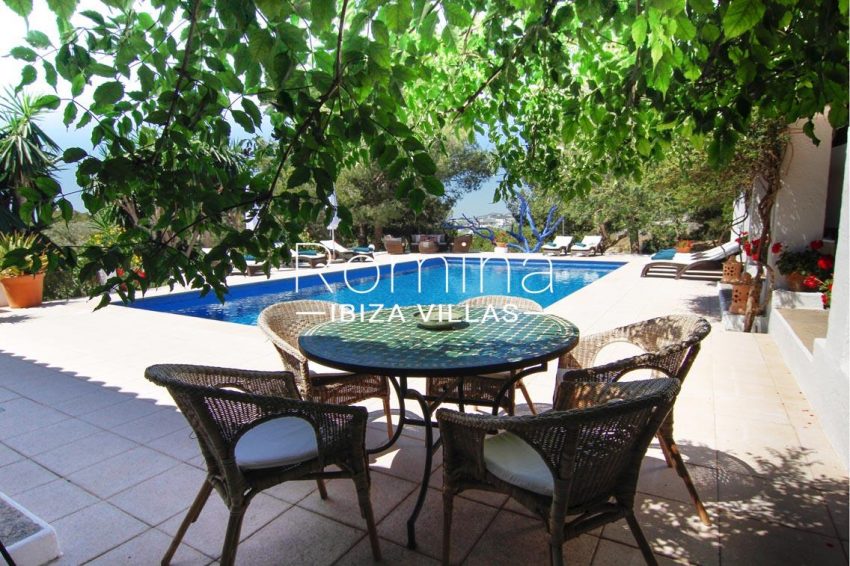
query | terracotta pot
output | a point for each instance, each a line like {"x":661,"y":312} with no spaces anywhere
{"x":24,"y":291}
{"x":795,"y":282}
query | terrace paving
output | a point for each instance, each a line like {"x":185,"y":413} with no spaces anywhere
{"x":93,"y":448}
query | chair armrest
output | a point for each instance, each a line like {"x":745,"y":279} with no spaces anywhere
{"x":279,"y":384}
{"x":577,"y":393}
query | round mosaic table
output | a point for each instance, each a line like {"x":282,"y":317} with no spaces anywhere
{"x":393,"y":343}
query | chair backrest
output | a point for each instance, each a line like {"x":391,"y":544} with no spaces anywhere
{"x":669,"y":343}
{"x":217,"y":403}
{"x":284,"y":322}
{"x":592,"y":241}
{"x":563,"y":241}
{"x":393,"y":245}
{"x":524,"y":305}
{"x":462,"y":243}
{"x":611,"y":438}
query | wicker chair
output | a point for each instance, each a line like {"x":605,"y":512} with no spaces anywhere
{"x":393,"y":245}
{"x":482,"y":390}
{"x":584,"y":461}
{"x":283,"y":323}
{"x":254,"y":433}
{"x":671,"y":344}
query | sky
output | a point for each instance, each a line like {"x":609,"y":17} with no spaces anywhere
{"x":14,"y":31}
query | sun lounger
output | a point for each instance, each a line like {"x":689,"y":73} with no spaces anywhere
{"x":590,"y":245}
{"x":561,"y":246}
{"x":340,"y":252}
{"x":701,"y":265}
{"x":311,"y":257}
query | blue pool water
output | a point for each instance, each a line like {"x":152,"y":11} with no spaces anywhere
{"x":443,"y":281}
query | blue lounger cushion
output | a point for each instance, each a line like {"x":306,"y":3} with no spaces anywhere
{"x":665,"y":254}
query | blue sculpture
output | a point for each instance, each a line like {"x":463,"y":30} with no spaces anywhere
{"x":524,"y":215}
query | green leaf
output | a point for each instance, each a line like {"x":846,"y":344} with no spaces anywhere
{"x":656,"y":52}
{"x":702,"y":6}
{"x":28,"y":76}
{"x":404,"y":187}
{"x":252,"y":111}
{"x":457,"y":15}
{"x":243,"y":120}
{"x":74,"y":154}
{"x":433,"y":186}
{"x":49,"y":73}
{"x":70,"y":113}
{"x":78,"y":83}
{"x":38,"y":39}
{"x":397,"y":15}
{"x":20,"y":7}
{"x":109,"y":93}
{"x":842,"y":7}
{"x":24,"y":54}
{"x":380,"y":54}
{"x":639,"y":31}
{"x":423,"y":163}
{"x":742,"y":16}
{"x":47,"y":101}
{"x":63,"y":9}
{"x":66,"y":209}
{"x":299,"y":176}
{"x":429,"y":24}
{"x":323,"y":12}
{"x":146,"y":78}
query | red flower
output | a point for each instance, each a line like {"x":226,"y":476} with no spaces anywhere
{"x":811,"y":282}
{"x":140,"y":273}
{"x":119,"y":272}
{"x":816,"y":244}
{"x":826,"y":262}
{"x":748,"y":248}
{"x":776,"y":248}
{"x":824,"y":299}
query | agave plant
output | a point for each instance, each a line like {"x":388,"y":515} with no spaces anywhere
{"x":21,"y":254}
{"x":27,"y":159}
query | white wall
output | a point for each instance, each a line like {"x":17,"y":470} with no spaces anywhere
{"x":800,"y":209}
{"x":830,"y":392}
{"x":798,"y":219}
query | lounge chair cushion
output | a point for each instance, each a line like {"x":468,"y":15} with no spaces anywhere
{"x":362,"y":250}
{"x":308,"y":252}
{"x":277,"y":442}
{"x":665,"y":254}
{"x":511,"y":459}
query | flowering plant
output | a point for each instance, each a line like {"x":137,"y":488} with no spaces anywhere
{"x":826,"y":293}
{"x":809,"y":261}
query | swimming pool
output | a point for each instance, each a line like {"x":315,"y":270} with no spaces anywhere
{"x":436,"y":280}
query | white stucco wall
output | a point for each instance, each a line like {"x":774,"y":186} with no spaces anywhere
{"x":798,"y":219}
{"x":829,"y":390}
{"x":800,"y":209}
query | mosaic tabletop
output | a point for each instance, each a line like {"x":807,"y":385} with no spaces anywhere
{"x":393,"y":342}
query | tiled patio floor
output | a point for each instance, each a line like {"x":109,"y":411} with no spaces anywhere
{"x":91,"y":447}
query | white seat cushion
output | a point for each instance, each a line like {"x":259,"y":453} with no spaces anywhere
{"x":511,"y":459}
{"x":277,"y":442}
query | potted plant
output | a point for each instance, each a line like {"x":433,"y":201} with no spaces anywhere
{"x":22,"y":268}
{"x":804,"y":270}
